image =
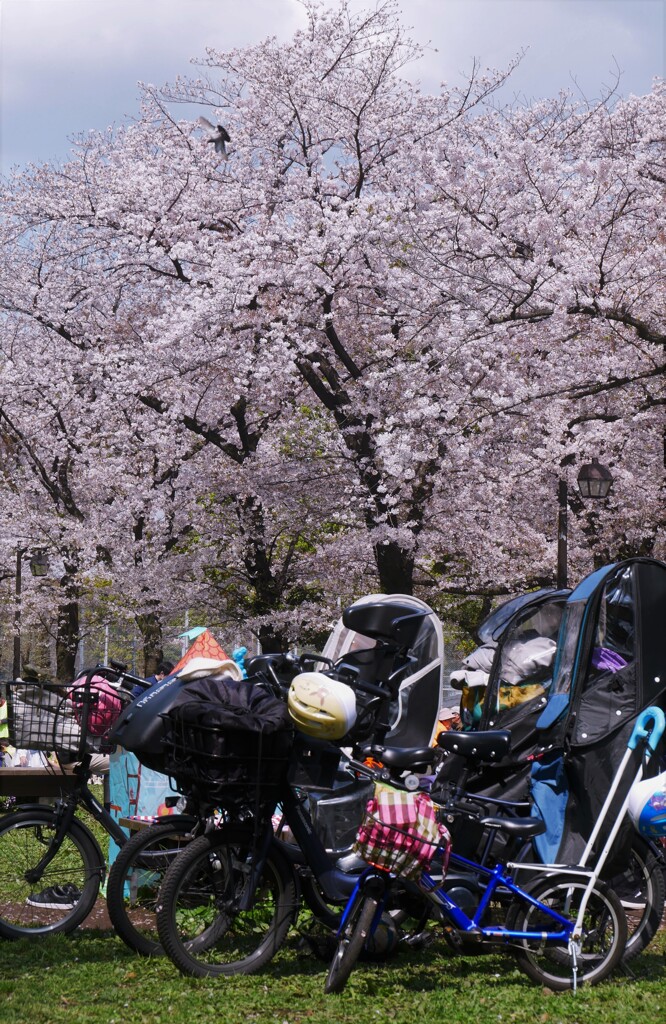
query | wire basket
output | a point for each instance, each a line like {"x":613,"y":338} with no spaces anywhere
{"x":69,"y":721}
{"x":400,"y":832}
{"x":224,"y":766}
{"x":337,"y":815}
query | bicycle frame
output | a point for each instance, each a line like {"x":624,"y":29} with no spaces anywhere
{"x":336,"y":885}
{"x":496,"y":879}
{"x":65,"y":812}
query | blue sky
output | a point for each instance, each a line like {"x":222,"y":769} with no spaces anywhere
{"x":70,"y":65}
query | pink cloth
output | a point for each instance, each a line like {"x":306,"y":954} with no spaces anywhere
{"x":400,"y":832}
{"x":104,"y":708}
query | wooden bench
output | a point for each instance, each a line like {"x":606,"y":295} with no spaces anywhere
{"x":35,"y":782}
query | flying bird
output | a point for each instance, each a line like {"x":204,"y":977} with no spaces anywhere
{"x":219,"y":139}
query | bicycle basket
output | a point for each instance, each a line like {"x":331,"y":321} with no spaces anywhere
{"x":225,"y":766}
{"x":337,"y":814}
{"x":56,"y":719}
{"x":400,"y":832}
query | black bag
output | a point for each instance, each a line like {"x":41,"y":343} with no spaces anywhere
{"x":140,"y":729}
{"x":227,"y":741}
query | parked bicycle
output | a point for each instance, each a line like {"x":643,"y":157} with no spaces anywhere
{"x":562,"y":930}
{"x":376,"y":673}
{"x":566,"y":928}
{"x":51,"y":864}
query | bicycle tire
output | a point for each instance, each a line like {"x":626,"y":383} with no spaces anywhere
{"x":603,"y":941}
{"x":134,"y":882}
{"x":642,"y":892}
{"x":24,"y":838}
{"x":198,"y":924}
{"x":350,"y":942}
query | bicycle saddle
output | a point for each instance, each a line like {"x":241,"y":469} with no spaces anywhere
{"x":403,"y":757}
{"x":524,"y":827}
{"x":490,"y":746}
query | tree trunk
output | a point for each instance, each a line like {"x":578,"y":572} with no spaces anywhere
{"x":67,"y":636}
{"x":395,"y":568}
{"x":150,"y":628}
{"x":272,"y":640}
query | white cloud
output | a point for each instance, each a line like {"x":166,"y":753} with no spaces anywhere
{"x":70,"y":65}
{"x":564,"y":39}
{"x":86,"y":37}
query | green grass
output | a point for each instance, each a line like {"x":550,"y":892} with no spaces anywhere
{"x":92,"y":978}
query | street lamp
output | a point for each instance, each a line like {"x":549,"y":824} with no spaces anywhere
{"x":594,"y":481}
{"x":38,"y":567}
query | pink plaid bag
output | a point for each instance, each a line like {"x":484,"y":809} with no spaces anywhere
{"x":400,"y":832}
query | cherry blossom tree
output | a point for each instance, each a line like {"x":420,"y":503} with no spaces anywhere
{"x":357,"y":350}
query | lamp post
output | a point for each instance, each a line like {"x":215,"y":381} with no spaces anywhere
{"x":594,"y":481}
{"x":38,"y":567}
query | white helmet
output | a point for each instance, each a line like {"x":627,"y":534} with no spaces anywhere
{"x":647,"y":805}
{"x":321,"y":706}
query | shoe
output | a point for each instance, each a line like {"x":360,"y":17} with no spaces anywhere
{"x":56,"y":897}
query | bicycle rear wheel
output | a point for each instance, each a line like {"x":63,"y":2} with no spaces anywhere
{"x":351,"y":941}
{"x":66,"y":890}
{"x":135,"y":879}
{"x":199,"y":922}
{"x":602,"y":943}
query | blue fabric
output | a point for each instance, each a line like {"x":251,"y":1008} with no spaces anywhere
{"x":238,"y":656}
{"x":554,"y":709}
{"x":550,"y":792}
{"x":134,"y":789}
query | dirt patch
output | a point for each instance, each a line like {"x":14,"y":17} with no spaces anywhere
{"x":98,"y":917}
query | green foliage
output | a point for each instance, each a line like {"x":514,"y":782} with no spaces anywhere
{"x":461,"y":617}
{"x":303,"y":592}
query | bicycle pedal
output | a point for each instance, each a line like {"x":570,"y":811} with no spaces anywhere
{"x":453,"y":938}
{"x":418,"y":941}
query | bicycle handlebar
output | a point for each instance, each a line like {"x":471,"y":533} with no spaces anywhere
{"x":117,"y":673}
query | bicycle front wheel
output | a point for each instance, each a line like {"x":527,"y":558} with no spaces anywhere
{"x":135,"y":879}
{"x":602,"y":943}
{"x":351,"y":941}
{"x":65,"y":891}
{"x":199,"y":920}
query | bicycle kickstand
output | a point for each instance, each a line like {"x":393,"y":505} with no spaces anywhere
{"x":574,"y":950}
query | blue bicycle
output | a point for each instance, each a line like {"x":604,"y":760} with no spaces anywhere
{"x":565,"y":928}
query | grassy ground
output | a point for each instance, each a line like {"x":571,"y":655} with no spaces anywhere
{"x":92,"y":978}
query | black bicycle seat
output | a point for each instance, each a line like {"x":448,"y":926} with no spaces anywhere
{"x":524,"y":827}
{"x":489,"y":746}
{"x":404,"y":757}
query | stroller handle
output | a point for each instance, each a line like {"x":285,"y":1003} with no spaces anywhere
{"x":651,"y":733}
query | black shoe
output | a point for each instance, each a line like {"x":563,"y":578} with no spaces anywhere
{"x":56,"y":897}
